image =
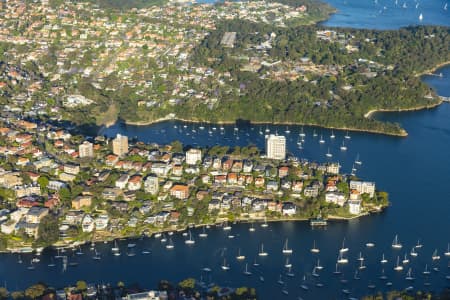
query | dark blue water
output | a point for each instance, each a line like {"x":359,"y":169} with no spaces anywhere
{"x":414,"y":170}
{"x":386,"y":14}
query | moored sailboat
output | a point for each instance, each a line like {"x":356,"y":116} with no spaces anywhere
{"x":395,"y":243}
{"x":262,"y":252}
{"x":286,"y":249}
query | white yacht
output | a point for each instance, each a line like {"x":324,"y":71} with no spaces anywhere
{"x":395,"y":243}
{"x":189,"y":241}
{"x":240,"y":256}
{"x":262,"y":252}
{"x":286,"y":249}
{"x":343,"y":248}
{"x":321,"y":141}
{"x":170,"y":245}
{"x":435,"y":255}
{"x":314,"y":249}
{"x":447,"y":253}
{"x":225,"y":266}
{"x":398,"y":267}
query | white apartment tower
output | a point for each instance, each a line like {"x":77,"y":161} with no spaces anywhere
{"x":86,"y":149}
{"x":120,"y":145}
{"x":276,"y":146}
{"x":193,"y":156}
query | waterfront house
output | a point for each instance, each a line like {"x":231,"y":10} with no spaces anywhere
{"x":162,"y":216}
{"x":88,"y":223}
{"x":151,"y":295}
{"x":31,"y":229}
{"x":289,"y":208}
{"x":336,"y":198}
{"x":36,"y":214}
{"x":74,"y":217}
{"x":354,"y":206}
{"x":364,"y":187}
{"x":214,"y":204}
{"x":333,"y":168}
{"x":101,"y":222}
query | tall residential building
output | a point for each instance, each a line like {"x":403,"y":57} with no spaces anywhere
{"x":276,"y":146}
{"x":151,"y":184}
{"x":86,"y":149}
{"x":120,"y":145}
{"x":193,"y":156}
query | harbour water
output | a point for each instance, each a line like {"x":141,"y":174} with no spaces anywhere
{"x":414,"y":170}
{"x":388,"y":14}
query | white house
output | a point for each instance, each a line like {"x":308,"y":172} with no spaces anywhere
{"x":354,"y":206}
{"x":193,"y":156}
{"x":122,"y":182}
{"x":289,"y":208}
{"x":151,"y":185}
{"x":364,"y":187}
{"x":101,"y":222}
{"x":88,"y":223}
{"x":336,"y":198}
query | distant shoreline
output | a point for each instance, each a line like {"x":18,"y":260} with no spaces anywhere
{"x":372,"y":111}
{"x":217,"y":223}
{"x":432,"y":71}
{"x":160,"y":120}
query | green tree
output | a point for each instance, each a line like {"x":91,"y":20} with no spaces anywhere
{"x":177,"y":146}
{"x":4,"y":294}
{"x":43,"y":182}
{"x":35,"y":291}
{"x":65,"y":195}
{"x":17,"y":295}
{"x":81,"y":285}
{"x":188,"y":283}
{"x":3,"y":243}
{"x":48,"y":231}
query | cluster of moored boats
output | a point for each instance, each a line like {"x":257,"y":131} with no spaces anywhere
{"x":393,"y":262}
